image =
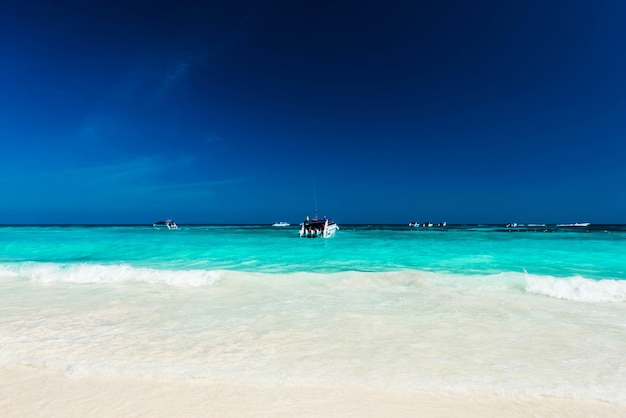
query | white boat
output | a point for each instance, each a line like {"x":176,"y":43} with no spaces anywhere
{"x":281,"y":223}
{"x":577,"y":224}
{"x":168,"y":223}
{"x":414,"y":224}
{"x":314,"y":228}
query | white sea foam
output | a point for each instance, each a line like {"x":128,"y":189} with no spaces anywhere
{"x":103,"y":274}
{"x":577,"y":288}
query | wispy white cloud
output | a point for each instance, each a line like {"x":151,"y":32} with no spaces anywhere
{"x":213,"y":138}
{"x":179,"y":71}
{"x":139,"y":184}
{"x":113,"y":173}
{"x":189,"y":190}
{"x":146,"y":173}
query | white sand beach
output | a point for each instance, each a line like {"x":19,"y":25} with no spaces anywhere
{"x":33,"y":392}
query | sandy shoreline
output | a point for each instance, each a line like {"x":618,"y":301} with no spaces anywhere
{"x":27,"y":391}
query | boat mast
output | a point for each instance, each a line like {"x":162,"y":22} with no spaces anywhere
{"x":315,"y":198}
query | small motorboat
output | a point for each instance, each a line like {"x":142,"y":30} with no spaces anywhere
{"x":323,"y":228}
{"x":281,"y":223}
{"x":168,"y":223}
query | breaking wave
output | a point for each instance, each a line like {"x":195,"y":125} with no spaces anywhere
{"x":103,"y":274}
{"x":577,"y":288}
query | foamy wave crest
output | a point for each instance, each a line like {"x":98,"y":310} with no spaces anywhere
{"x":577,"y":288}
{"x":98,"y":273}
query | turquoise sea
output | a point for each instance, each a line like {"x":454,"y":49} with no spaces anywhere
{"x":536,"y":310}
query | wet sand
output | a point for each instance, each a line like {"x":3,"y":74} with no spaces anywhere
{"x":33,"y":392}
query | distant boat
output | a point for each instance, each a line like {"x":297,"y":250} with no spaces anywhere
{"x":577,"y":224}
{"x":426,"y":224}
{"x":511,"y":225}
{"x":168,"y":223}
{"x":313,"y":228}
{"x":281,"y":223}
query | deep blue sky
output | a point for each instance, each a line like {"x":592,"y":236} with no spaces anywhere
{"x":229,"y":111}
